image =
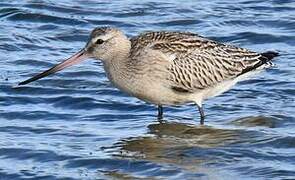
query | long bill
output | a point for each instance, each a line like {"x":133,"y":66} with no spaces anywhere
{"x":75,"y":59}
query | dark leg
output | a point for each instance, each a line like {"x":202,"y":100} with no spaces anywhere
{"x":160,"y":112}
{"x":202,"y":114}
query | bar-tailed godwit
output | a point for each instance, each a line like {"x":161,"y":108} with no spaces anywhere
{"x":167,"y":68}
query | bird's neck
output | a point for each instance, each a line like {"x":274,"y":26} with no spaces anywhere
{"x":116,"y":68}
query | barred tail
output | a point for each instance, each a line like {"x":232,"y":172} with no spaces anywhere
{"x":265,"y":61}
{"x":268,"y":56}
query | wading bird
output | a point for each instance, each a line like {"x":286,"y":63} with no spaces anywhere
{"x":167,"y":68}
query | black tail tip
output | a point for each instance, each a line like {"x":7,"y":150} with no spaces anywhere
{"x":270,"y":54}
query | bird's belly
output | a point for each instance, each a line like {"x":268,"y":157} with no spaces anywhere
{"x":160,"y":95}
{"x":148,"y":88}
{"x":152,"y":92}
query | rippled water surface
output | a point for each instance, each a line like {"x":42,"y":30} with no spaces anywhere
{"x":76,"y":125}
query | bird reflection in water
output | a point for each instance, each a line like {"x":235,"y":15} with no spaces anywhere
{"x":174,"y":143}
{"x":194,"y":148}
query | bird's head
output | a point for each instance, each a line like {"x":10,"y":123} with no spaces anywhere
{"x":105,"y":43}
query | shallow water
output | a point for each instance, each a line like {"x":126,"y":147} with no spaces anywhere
{"x":75,"y":125}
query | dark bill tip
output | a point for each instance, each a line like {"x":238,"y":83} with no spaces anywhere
{"x":76,"y":58}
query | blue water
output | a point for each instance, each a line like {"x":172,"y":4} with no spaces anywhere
{"x":76,"y":125}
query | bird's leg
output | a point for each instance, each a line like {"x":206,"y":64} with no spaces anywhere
{"x":202,"y":114}
{"x":160,"y":112}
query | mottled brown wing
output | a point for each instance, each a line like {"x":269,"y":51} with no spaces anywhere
{"x":200,"y":63}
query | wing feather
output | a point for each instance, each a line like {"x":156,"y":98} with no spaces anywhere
{"x":198,"y":63}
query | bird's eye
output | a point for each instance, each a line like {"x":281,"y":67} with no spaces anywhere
{"x":99,"y":41}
